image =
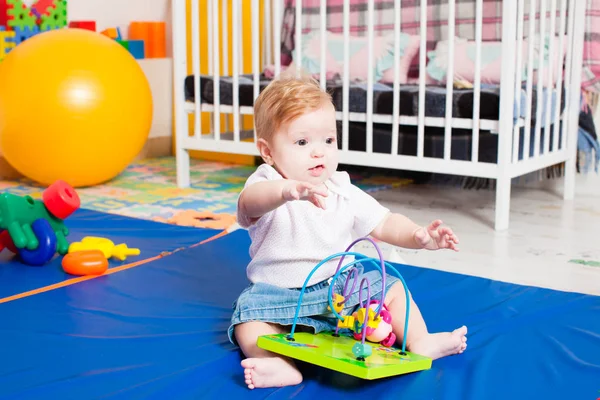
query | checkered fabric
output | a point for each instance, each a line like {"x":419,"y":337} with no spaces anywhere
{"x":437,"y":25}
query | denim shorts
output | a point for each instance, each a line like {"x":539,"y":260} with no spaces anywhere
{"x":268,"y":303}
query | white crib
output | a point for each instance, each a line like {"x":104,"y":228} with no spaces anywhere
{"x":520,"y":147}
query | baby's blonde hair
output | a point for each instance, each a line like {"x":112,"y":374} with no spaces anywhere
{"x":284,"y":100}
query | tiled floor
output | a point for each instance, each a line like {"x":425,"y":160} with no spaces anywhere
{"x":147,"y":189}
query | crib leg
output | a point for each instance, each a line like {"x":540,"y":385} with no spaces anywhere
{"x":570,"y":174}
{"x":183,"y":168}
{"x":503,"y":186}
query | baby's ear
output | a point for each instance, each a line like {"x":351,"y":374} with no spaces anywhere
{"x":265,"y":151}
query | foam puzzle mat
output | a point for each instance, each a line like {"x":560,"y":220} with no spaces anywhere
{"x":147,"y":189}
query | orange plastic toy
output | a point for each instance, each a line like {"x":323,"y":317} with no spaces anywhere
{"x":197,"y":219}
{"x":85,"y":262}
{"x":154,"y":36}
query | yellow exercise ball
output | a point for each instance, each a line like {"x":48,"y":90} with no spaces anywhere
{"x":74,"y":105}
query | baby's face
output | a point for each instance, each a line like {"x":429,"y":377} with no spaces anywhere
{"x":306,"y":149}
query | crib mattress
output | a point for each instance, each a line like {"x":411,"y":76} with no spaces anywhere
{"x":435,"y":97}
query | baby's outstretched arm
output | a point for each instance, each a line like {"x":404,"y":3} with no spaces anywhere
{"x":262,"y":197}
{"x":400,"y":231}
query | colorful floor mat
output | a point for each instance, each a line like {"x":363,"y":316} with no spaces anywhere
{"x":147,"y":189}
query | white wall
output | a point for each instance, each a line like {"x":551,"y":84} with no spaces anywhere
{"x":119,"y":13}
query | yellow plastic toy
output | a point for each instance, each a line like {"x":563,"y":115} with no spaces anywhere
{"x":106,"y":246}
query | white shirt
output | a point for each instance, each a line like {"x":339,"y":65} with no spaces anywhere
{"x":288,"y":242}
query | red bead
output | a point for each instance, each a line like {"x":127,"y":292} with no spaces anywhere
{"x":7,"y":242}
{"x":61,"y":199}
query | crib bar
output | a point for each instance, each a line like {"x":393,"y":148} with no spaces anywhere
{"x":225,"y":52}
{"x":277,"y":36}
{"x":225,"y":37}
{"x":216,"y":71}
{"x":477,"y":78}
{"x":529,"y":83}
{"x":568,"y":68}
{"x":255,"y":47}
{"x":559,"y":78}
{"x":422,"y":64}
{"x":507,"y":98}
{"x":370,"y":72}
{"x":298,"y":37}
{"x":550,"y":84}
{"x":577,"y":8}
{"x":235,"y":18}
{"x":438,"y":122}
{"x":255,"y":51}
{"x":267,"y":35}
{"x":196,"y":69}
{"x":396,"y":101}
{"x":520,"y":28}
{"x":323,"y":23}
{"x":241,"y":38}
{"x":211,"y":50}
{"x":449,"y":79}
{"x":346,"y":78}
{"x":180,"y":72}
{"x":539,"y":81}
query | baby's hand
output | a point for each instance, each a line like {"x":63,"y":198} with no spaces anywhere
{"x":296,"y":190}
{"x":434,"y":238}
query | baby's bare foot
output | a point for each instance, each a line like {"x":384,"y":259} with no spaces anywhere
{"x":270,"y":372}
{"x":438,"y":345}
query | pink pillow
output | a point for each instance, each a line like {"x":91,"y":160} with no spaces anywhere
{"x":491,"y":60}
{"x":383,"y":56}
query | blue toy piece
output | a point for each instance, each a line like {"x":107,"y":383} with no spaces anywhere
{"x":22,"y":34}
{"x":47,"y":244}
{"x":137,"y":49}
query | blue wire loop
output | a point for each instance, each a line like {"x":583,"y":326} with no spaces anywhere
{"x":359,"y":259}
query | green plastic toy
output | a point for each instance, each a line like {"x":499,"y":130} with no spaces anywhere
{"x":363,"y":342}
{"x":18,"y":213}
{"x":328,"y":351}
{"x":20,"y":15}
{"x":55,"y":17}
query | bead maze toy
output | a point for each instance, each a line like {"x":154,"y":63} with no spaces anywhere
{"x":362,"y":344}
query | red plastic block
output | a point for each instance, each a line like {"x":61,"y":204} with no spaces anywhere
{"x":61,"y":199}
{"x":89,"y":25}
{"x":3,"y":13}
{"x":40,"y":7}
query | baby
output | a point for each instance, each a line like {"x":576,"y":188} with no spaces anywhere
{"x":299,"y":210}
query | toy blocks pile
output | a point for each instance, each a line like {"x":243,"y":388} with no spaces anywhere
{"x":18,"y":22}
{"x":7,"y":42}
{"x":146,"y":39}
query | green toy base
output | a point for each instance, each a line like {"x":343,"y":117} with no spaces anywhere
{"x":335,"y":353}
